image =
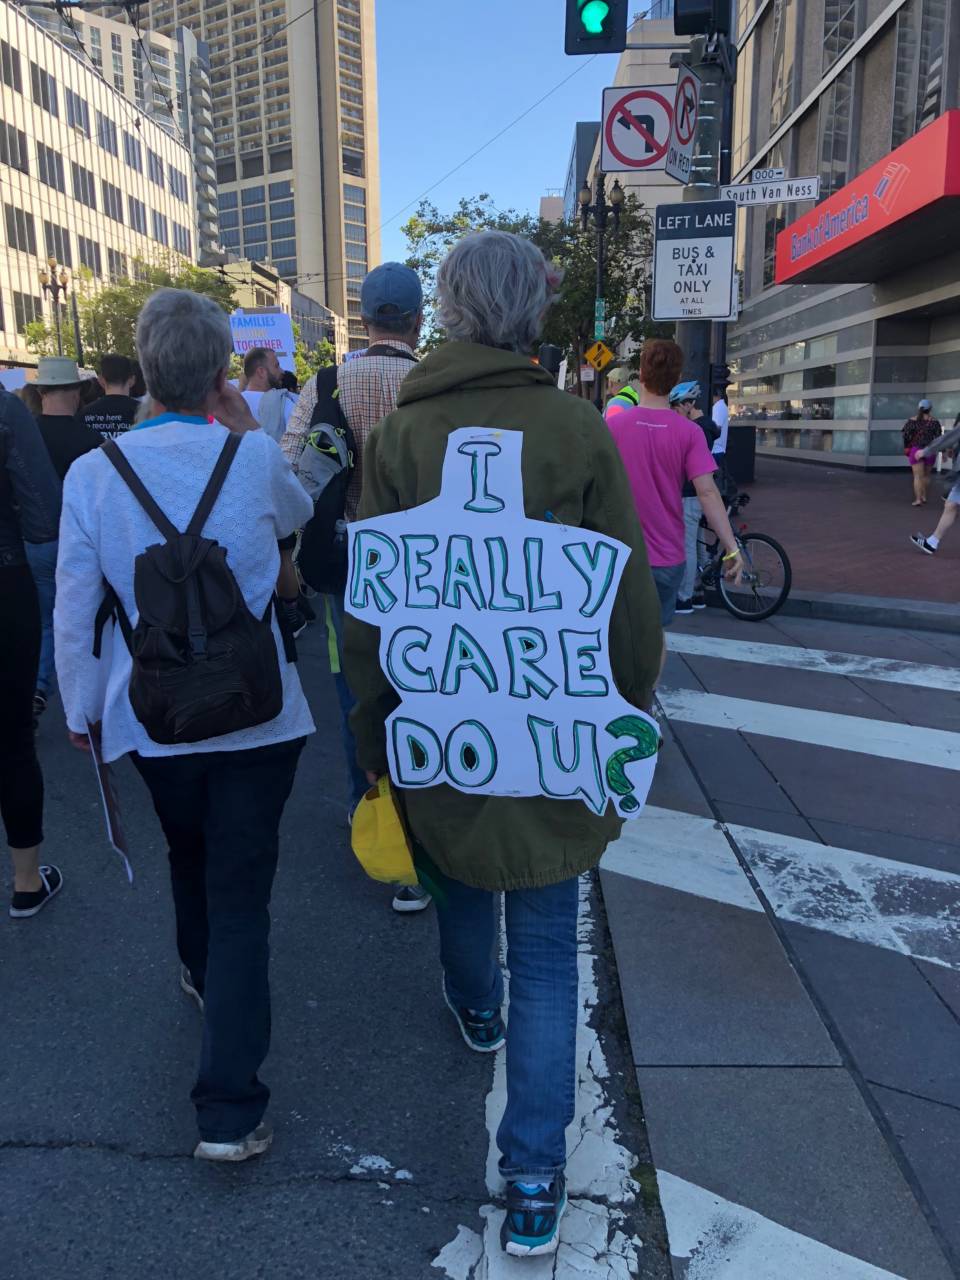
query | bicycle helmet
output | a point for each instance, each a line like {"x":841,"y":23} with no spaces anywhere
{"x":685,"y":391}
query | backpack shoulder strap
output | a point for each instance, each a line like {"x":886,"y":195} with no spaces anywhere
{"x":386,"y":349}
{"x":327,"y":389}
{"x":139,"y":490}
{"x":214,"y":484}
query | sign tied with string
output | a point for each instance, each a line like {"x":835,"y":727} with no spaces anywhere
{"x":494,"y":632}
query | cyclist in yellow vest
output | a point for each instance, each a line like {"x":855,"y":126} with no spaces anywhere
{"x":624,"y":394}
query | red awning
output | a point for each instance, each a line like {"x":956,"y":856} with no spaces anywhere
{"x":901,"y":211}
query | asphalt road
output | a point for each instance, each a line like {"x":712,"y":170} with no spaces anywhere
{"x":379,"y":1166}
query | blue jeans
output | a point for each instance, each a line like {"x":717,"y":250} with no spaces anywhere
{"x":667,"y":579}
{"x":42,"y":558}
{"x":542,"y":1019}
{"x":356,"y":777}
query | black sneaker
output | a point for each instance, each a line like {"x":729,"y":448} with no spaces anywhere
{"x":482,"y":1029}
{"x":532,"y":1222}
{"x":23,"y":905}
{"x":920,"y":542}
{"x":39,"y":707}
{"x":699,"y":600}
{"x":294,"y":620}
{"x":409,"y":898}
{"x":684,"y":606}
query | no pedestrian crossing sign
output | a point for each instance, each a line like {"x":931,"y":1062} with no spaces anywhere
{"x":683,"y":128}
{"x":599,"y":356}
{"x":636,"y":127}
{"x":693,"y":275}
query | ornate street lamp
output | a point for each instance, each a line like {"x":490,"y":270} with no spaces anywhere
{"x":57,"y":285}
{"x":600,"y":210}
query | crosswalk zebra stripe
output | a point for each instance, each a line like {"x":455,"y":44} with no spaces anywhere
{"x":825,"y":661}
{"x":887,"y":739}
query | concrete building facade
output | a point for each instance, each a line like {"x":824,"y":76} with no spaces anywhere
{"x":86,"y":178}
{"x":296,"y":148}
{"x":851,"y":308}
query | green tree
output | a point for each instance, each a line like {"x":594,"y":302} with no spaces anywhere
{"x":308,"y":360}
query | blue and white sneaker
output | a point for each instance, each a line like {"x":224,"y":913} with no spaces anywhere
{"x":483,"y":1030}
{"x":532,"y":1223}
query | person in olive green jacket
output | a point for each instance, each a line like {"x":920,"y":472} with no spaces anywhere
{"x":493,"y":291}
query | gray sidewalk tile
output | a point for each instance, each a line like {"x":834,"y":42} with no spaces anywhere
{"x":786,"y":686}
{"x":941,"y":854}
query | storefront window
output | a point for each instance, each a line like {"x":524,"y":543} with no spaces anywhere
{"x":813,"y":439}
{"x":900,"y":369}
{"x":836,"y":106}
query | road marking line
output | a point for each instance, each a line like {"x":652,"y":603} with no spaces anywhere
{"x":727,"y":1241}
{"x":895,"y":905}
{"x":592,"y":1241}
{"x":827,"y":661}
{"x":892,"y":741}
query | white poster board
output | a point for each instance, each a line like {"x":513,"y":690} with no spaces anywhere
{"x":270,"y":329}
{"x":494,"y":633}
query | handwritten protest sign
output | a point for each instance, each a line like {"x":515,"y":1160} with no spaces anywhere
{"x":494,"y":633}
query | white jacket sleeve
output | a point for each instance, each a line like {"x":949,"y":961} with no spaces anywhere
{"x":80,"y":588}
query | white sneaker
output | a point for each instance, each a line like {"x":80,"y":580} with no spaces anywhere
{"x":254,"y":1144}
{"x":187,"y":986}
{"x":410,"y":897}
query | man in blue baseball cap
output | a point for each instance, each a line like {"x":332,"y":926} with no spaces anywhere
{"x":365,"y":388}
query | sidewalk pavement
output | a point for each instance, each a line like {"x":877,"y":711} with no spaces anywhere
{"x":847,"y":532}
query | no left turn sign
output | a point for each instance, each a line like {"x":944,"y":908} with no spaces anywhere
{"x":636,"y":127}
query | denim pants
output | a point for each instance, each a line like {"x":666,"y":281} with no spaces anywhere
{"x":42,"y":558}
{"x":220,"y":812}
{"x":541,"y":929}
{"x":667,"y":579}
{"x":356,"y":777}
{"x":692,"y":511}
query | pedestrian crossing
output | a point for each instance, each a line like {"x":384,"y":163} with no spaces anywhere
{"x":777,"y":873}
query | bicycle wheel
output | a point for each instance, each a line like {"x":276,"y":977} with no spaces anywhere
{"x":766,"y":579}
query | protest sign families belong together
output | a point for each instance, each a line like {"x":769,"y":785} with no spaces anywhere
{"x":494,"y":631}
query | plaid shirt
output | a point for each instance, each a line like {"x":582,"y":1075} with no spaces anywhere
{"x":368,"y":392}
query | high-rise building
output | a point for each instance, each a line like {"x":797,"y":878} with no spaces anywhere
{"x":297,"y":158}
{"x":88,"y":179}
{"x":851,"y":306}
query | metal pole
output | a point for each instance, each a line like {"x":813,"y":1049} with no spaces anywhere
{"x":56,"y":313}
{"x":78,"y":342}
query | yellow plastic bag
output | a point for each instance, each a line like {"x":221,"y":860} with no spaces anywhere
{"x":379,"y":837}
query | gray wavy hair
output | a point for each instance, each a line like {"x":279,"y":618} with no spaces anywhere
{"x":493,"y":288}
{"x":183,"y":341}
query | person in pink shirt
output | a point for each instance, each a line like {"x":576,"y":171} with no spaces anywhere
{"x":661,"y":449}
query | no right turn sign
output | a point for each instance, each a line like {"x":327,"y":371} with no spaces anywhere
{"x":683,"y":128}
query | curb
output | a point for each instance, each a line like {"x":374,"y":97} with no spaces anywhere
{"x":872,"y":611}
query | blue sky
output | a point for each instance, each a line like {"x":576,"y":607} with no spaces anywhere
{"x":452,"y":74}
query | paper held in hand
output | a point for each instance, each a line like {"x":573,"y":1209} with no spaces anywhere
{"x":111,"y":802}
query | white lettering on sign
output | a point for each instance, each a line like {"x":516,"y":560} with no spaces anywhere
{"x":779,"y":192}
{"x":494,"y":634}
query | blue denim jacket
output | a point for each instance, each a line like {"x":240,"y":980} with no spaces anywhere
{"x":29,"y":486}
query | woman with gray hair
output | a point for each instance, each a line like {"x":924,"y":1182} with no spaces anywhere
{"x":220,"y":770}
{"x":493,"y":290}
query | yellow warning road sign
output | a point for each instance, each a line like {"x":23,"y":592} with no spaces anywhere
{"x":599,"y":356}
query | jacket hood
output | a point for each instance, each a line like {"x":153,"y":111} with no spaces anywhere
{"x":468,"y":366}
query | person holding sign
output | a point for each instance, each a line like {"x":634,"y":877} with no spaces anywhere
{"x":503,"y":641}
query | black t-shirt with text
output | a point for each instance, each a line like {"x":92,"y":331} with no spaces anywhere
{"x":66,"y":439}
{"x":110,"y":415}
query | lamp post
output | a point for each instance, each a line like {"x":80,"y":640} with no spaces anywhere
{"x":598,"y":208}
{"x":56,"y":285}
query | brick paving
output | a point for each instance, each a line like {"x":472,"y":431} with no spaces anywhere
{"x":847,"y":531}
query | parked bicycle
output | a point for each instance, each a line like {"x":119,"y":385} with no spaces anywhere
{"x":767,"y":576}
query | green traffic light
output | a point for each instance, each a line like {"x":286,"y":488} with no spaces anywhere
{"x":593,"y":14}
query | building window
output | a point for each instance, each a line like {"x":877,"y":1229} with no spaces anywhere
{"x":88,"y":254}
{"x":10,"y":67}
{"x":356,"y":270}
{"x":178,"y":182}
{"x":918,"y":84}
{"x":78,"y":113}
{"x":154,"y":167}
{"x":132,"y":151}
{"x":26,"y":309}
{"x":96,"y":48}
{"x":112,"y":200}
{"x":44,"y":89}
{"x":284,"y":248}
{"x":279,"y":230}
{"x":138,"y":214}
{"x":50,"y":167}
{"x":13,"y":148}
{"x":182,"y":240}
{"x":836,"y":109}
{"x":839,"y":29}
{"x":117,"y":59}
{"x":140,"y":270}
{"x":227,"y":200}
{"x":84,"y":186}
{"x":160,"y":228}
{"x":356,"y":253}
{"x":231,"y":239}
{"x":784,"y":59}
{"x":357,"y":234}
{"x":281,"y":209}
{"x":57,"y":242}
{"x":286,"y":267}
{"x":252,"y":165}
{"x":227,"y":171}
{"x":116,"y":265}
{"x":21,"y":233}
{"x":106,"y":133}
{"x":252,"y":195}
{"x":229,"y":218}
{"x":278,"y":190}
{"x":353,"y":163}
{"x":253,"y":213}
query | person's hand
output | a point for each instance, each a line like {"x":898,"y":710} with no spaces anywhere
{"x":81,"y":742}
{"x":696,"y":414}
{"x":920,"y":453}
{"x":233,"y":411}
{"x":372,"y":778}
{"x":733,"y":567}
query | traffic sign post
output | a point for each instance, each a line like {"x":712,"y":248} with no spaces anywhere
{"x":635,"y":131}
{"x":778,"y":191}
{"x":693,"y":261}
{"x":683,"y":126}
{"x":599,"y":355}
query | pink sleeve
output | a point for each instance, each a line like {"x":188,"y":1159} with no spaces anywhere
{"x":697,"y":458}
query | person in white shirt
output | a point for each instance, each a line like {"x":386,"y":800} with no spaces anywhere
{"x":720,"y":415}
{"x":219,"y":800}
{"x":269,"y":403}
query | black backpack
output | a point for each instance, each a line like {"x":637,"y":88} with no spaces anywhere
{"x":203,"y":665}
{"x":326,"y":469}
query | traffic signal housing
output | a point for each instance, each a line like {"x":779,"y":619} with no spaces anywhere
{"x":701,"y":17}
{"x":596,"y":26}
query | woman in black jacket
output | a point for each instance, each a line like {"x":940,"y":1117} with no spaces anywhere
{"x":29,"y":509}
